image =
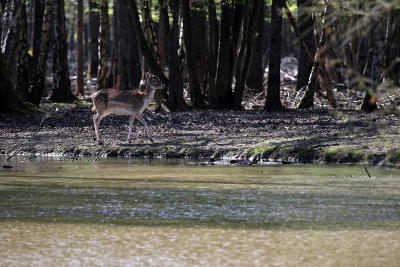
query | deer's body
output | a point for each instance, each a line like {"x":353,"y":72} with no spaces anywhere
{"x":125,"y":102}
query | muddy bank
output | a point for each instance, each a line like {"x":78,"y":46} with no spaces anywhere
{"x":294,"y":136}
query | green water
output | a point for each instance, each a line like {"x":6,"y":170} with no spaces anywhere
{"x":119,"y":212}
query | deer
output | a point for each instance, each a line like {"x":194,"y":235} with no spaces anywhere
{"x":125,"y":102}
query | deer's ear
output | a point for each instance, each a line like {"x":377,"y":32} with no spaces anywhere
{"x":148,"y":75}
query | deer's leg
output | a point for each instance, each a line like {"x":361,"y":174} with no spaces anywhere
{"x":131,"y":119}
{"x":140,"y":118}
{"x":96,"y":121}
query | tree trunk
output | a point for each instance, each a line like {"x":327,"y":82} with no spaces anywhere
{"x":102,"y":75}
{"x":171,"y":38}
{"x":22,"y":80}
{"x":38,"y":84}
{"x":14,"y":45}
{"x":319,"y":67}
{"x":10,"y":36}
{"x":306,"y":28}
{"x":146,"y":50}
{"x":212,"y":53}
{"x":128,"y":52}
{"x":195,"y":92}
{"x":224,"y":80}
{"x":10,"y":101}
{"x":115,"y":47}
{"x":37,"y":34}
{"x":246,"y":50}
{"x":273,"y":101}
{"x":198,"y":35}
{"x":255,"y":79}
{"x":79,"y":60}
{"x":378,"y":37}
{"x":62,"y":84}
{"x":392,"y":51}
{"x":149,"y":32}
{"x":94,"y":26}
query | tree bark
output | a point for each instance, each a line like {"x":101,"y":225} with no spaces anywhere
{"x":79,"y":60}
{"x":306,"y":29}
{"x":94,"y":26}
{"x":10,"y":101}
{"x":171,"y":37}
{"x":255,"y":79}
{"x":246,"y":50}
{"x":199,"y":40}
{"x":212,"y":53}
{"x":104,"y":20}
{"x":129,"y":66}
{"x":146,"y":50}
{"x":62,"y":84}
{"x":195,"y":93}
{"x":273,"y":101}
{"x":224,"y":80}
{"x":36,"y":92}
{"x":378,"y":37}
{"x":22,"y":80}
{"x":37,"y":34}
{"x":10,"y":37}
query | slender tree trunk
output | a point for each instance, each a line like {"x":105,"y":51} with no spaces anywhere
{"x":94,"y":27}
{"x":102,"y":75}
{"x":22,"y":81}
{"x":79,"y":60}
{"x":36,"y":92}
{"x":146,"y":50}
{"x":62,"y":84}
{"x":199,"y":40}
{"x":273,"y":101}
{"x":255,"y":79}
{"x":212,"y":47}
{"x":306,"y":28}
{"x":246,"y":50}
{"x":319,"y":68}
{"x":171,"y":37}
{"x":149,"y":29}
{"x":378,"y":38}
{"x":37,"y":33}
{"x":224,"y":86}
{"x":195,"y":92}
{"x":115,"y":47}
{"x":123,"y":44}
{"x":128,"y":52}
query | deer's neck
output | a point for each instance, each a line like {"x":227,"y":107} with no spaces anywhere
{"x":149,"y":94}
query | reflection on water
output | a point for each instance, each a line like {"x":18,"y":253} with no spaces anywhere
{"x":127,"y":212}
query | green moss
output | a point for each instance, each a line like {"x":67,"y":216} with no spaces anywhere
{"x":393,"y":156}
{"x":258,"y":150}
{"x":345,"y":154}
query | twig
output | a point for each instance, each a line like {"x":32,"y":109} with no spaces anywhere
{"x":15,"y":151}
{"x":365,"y":167}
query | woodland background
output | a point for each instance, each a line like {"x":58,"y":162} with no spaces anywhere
{"x":208,"y":53}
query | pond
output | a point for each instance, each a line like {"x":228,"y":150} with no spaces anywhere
{"x":125,"y":212}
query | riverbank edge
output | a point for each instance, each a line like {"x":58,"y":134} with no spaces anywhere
{"x":279,"y":154}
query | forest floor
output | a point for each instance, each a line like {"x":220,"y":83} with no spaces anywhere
{"x":318,"y":135}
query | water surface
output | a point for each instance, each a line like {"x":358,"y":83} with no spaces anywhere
{"x":124,"y":212}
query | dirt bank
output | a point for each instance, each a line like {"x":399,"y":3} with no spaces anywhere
{"x":319,"y":135}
